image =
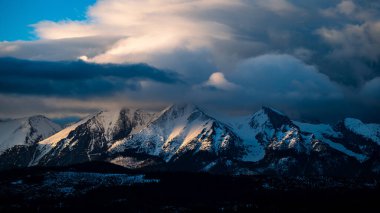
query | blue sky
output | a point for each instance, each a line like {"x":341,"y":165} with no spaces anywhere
{"x":16,"y":16}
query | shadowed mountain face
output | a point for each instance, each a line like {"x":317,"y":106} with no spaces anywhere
{"x":184,"y":138}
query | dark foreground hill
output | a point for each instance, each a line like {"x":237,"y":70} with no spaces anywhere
{"x":100,"y":187}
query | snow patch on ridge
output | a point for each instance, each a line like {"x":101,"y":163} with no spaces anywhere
{"x":321,"y":131}
{"x":369,"y":131}
{"x":361,"y":158}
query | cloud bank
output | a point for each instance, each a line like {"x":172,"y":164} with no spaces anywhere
{"x":75,"y":79}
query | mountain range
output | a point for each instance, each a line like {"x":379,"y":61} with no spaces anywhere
{"x":183,"y":137}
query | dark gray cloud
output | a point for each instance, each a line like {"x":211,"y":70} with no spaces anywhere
{"x":283,"y":77}
{"x":75,"y":78}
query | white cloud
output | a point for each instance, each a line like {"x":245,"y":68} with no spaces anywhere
{"x":146,"y":27}
{"x":218,"y":81}
{"x":65,"y":29}
{"x":83,"y":58}
{"x":346,"y":7}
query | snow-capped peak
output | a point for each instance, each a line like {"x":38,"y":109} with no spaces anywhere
{"x":25,"y":131}
{"x":270,"y":110}
{"x":369,"y":131}
{"x":178,"y":129}
{"x":91,"y":136}
{"x":112,"y":124}
{"x":178,"y":110}
{"x":269,"y":117}
{"x":43,"y":123}
{"x":258,"y":130}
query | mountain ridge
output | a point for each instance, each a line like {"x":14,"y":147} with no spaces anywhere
{"x":183,"y":137}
